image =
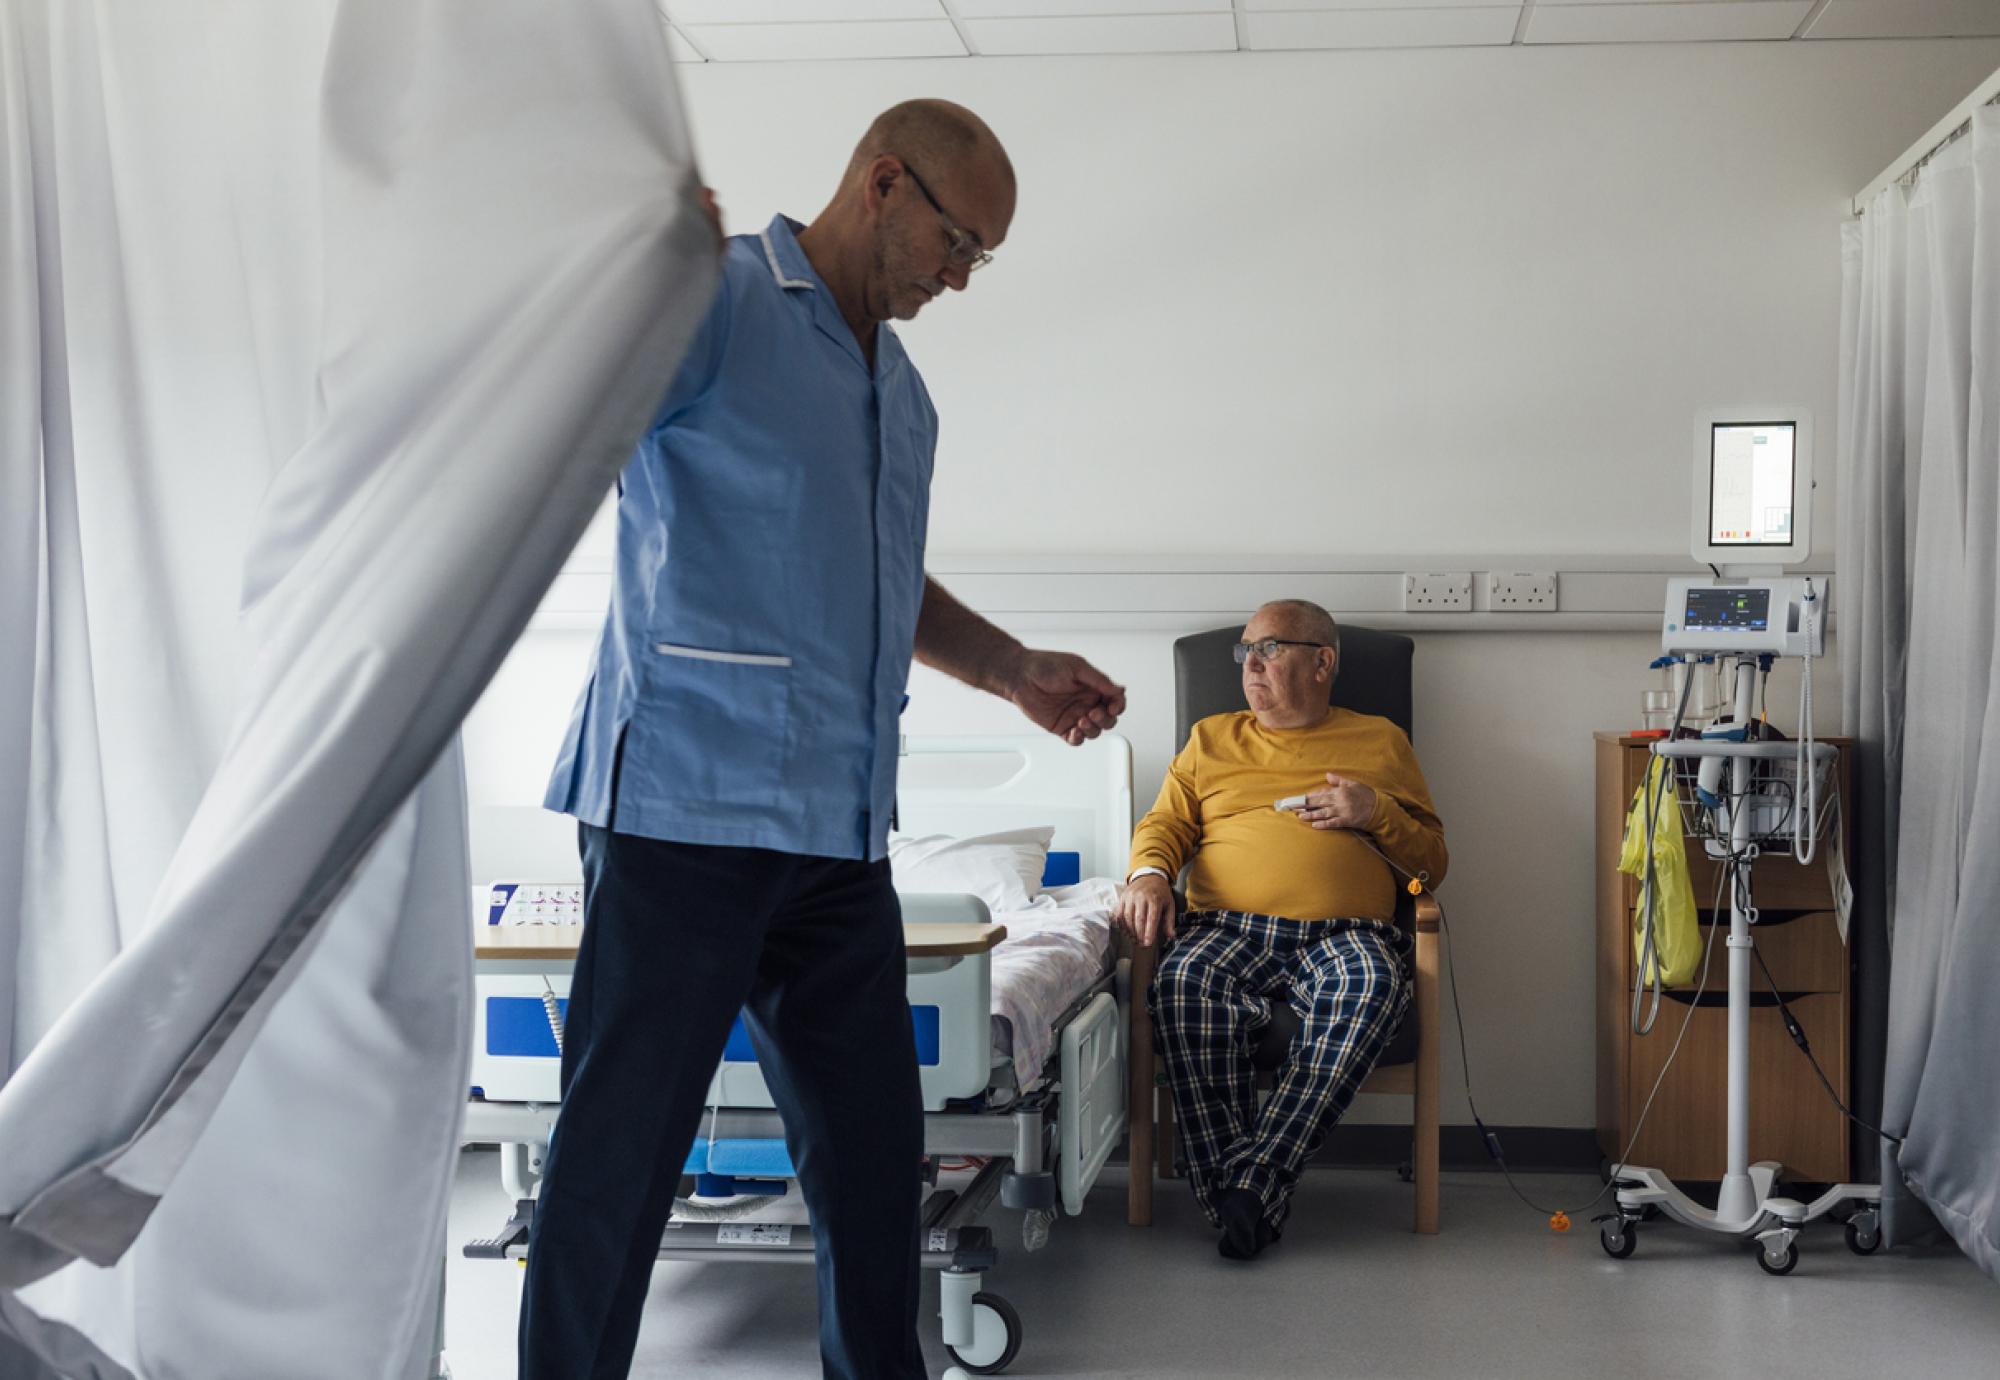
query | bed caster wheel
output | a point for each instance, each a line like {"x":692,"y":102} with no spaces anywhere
{"x":1406,"y":1171}
{"x":1781,"y":1264}
{"x":1864,"y":1233}
{"x":996,"y":1336}
{"x":1619,"y":1238}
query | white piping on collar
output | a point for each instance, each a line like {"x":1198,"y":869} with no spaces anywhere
{"x":771,"y":257}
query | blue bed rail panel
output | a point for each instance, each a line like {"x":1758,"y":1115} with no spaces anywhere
{"x":518,"y":1027}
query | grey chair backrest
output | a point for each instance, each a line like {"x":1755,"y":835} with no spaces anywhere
{"x":1374,"y":678}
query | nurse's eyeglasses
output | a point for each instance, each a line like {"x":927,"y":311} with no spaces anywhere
{"x":965,"y":249}
{"x":1267,"y":650}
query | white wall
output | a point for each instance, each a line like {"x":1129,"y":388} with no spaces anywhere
{"x":1366,"y":301}
{"x":1362,"y":303}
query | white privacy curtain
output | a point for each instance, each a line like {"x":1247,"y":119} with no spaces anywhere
{"x":1920,"y":497}
{"x":324,"y":328}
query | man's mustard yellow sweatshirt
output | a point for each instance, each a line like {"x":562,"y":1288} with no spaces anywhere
{"x":1215,"y":809}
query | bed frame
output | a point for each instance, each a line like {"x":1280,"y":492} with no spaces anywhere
{"x":1042,"y":1149}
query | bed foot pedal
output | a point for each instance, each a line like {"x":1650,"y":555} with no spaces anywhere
{"x":512,"y":1236}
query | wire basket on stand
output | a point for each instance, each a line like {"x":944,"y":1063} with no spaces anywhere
{"x":1771,"y":803}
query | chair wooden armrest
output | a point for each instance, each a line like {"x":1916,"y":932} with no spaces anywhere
{"x":1429,"y":918}
{"x":1139,"y":1089}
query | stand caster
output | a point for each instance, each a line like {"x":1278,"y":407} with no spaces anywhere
{"x":996,"y":1336}
{"x":1864,"y":1232}
{"x":1782,"y":1264}
{"x":1618,"y":1237}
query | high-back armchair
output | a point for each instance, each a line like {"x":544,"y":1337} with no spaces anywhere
{"x":1374,"y":678}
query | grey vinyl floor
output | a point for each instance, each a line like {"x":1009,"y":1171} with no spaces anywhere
{"x":1349,"y":1292}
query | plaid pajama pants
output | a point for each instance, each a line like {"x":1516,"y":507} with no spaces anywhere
{"x":1349,"y":981}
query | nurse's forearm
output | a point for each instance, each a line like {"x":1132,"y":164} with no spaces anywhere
{"x":953,"y":639}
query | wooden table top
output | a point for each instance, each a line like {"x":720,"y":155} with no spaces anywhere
{"x":559,"y":942}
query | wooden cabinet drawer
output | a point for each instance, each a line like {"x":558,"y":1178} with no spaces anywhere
{"x":1803,"y":949}
{"x":1777,"y":883}
{"x":1791,"y":1119}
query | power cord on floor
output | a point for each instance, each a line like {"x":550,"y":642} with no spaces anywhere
{"x":1798,"y":1034}
{"x":1559,"y":1218}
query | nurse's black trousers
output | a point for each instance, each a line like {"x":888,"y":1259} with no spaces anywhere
{"x":677,"y":939}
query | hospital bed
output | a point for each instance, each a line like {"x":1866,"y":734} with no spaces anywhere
{"x":1021,"y":1022}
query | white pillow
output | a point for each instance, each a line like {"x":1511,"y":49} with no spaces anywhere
{"x":1003,"y":870}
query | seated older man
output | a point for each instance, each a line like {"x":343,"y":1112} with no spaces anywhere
{"x":1295,"y":905}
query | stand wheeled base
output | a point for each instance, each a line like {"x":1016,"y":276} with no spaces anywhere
{"x":1773,"y":1223}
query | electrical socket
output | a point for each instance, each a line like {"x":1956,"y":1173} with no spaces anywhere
{"x":1435,"y":593}
{"x":1521,"y":593}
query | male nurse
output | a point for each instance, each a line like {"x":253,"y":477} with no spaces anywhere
{"x":732,"y":761}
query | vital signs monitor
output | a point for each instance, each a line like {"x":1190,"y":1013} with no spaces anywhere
{"x":1753,"y":487}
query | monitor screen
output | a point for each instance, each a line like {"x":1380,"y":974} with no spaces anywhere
{"x":1727,"y":610}
{"x":1752,"y":473}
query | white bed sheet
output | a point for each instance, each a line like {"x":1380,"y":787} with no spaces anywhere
{"x":1054,"y":951}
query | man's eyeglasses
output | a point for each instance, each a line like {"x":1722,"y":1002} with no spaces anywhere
{"x":1267,"y":650}
{"x":965,"y":248}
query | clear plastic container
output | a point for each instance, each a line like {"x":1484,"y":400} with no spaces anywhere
{"x":1657,"y":710}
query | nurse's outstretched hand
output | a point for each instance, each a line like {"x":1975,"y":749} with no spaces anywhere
{"x":1067,"y":695}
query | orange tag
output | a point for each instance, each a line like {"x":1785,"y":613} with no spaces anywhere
{"x":1559,"y":1222}
{"x":1416,"y":887}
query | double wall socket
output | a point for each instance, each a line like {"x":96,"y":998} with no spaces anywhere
{"x":1521,"y":593}
{"x":1438,"y":593}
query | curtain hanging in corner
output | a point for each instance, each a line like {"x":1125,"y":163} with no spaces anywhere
{"x":1920,"y":629}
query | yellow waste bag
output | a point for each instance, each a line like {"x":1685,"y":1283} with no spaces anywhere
{"x":1676,"y":932}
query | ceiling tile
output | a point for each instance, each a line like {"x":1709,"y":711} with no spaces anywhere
{"x":1160,"y":33}
{"x":1308,"y":5}
{"x":807,"y":42}
{"x":1071,"y":9}
{"x":1907,"y":19}
{"x":1653,"y":22}
{"x":1411,"y":27}
{"x":797,"y":11}
{"x":682,"y":50}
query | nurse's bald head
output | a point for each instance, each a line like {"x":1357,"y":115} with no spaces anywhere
{"x":927,"y":197}
{"x":947,"y":144}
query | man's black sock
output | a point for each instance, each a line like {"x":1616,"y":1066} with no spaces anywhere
{"x":1244,"y":1230}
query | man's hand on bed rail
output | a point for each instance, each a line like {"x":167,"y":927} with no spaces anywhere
{"x":1066,"y":695}
{"x":1146,"y":909}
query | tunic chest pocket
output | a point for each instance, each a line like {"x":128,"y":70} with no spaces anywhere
{"x":721,"y":724}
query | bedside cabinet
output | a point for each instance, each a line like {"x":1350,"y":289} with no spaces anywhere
{"x":1792,"y":1120}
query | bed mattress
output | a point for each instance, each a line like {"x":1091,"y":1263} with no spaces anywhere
{"x":1054,"y":952}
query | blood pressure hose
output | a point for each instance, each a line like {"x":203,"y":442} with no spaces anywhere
{"x":1650,"y":891}
{"x":1805,"y":831}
